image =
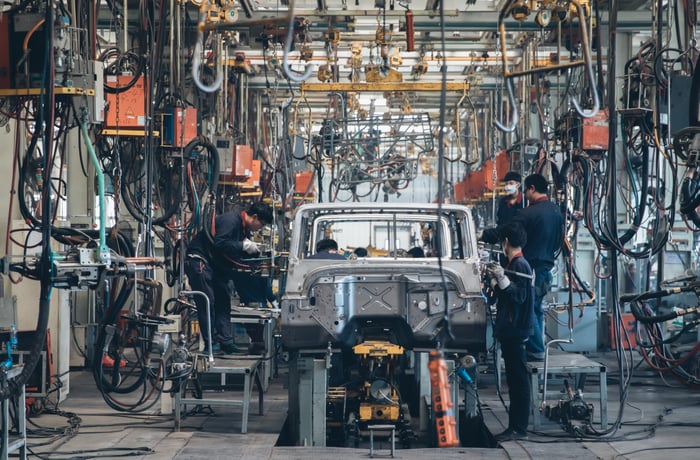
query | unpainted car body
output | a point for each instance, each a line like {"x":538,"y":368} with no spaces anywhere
{"x":385,"y":295}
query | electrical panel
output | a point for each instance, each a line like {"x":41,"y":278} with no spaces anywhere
{"x":125,"y":109}
{"x":179,"y":126}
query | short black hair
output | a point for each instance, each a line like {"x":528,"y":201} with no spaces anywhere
{"x":538,"y":181}
{"x":326,"y":245}
{"x":360,"y":252}
{"x":512,"y":175}
{"x":416,"y":252}
{"x":515,"y":233}
{"x":262,"y":210}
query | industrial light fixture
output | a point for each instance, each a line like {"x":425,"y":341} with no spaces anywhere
{"x":520,"y":11}
{"x":560,"y":11}
{"x":543,"y":18}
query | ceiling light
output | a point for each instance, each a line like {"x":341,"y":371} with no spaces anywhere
{"x":520,"y":11}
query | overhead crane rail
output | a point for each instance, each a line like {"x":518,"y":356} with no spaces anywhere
{"x":380,"y":86}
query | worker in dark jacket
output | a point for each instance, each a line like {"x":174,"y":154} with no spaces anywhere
{"x":509,"y":205}
{"x":327,"y":249}
{"x":515,"y":317}
{"x":210,"y":263}
{"x":544,"y":226}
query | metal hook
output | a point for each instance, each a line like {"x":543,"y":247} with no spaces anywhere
{"x":286,"y":70}
{"x":458,"y":133}
{"x":589,"y":66}
{"x":515,"y":116}
{"x":475,"y":158}
{"x":196,"y":60}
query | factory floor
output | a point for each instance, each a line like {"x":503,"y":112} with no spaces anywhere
{"x":659,"y":418}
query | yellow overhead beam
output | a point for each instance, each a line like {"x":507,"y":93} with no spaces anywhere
{"x":72,"y":90}
{"x":379,"y":86}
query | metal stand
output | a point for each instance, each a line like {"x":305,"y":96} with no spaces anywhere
{"x":372,"y":428}
{"x":269,"y":321}
{"x":248,"y":367}
{"x":18,"y":442}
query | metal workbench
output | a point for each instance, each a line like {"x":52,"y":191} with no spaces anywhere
{"x":566,"y":363}
{"x":17,"y":442}
{"x":247,"y":366}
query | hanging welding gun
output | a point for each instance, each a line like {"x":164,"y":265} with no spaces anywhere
{"x":487,"y":288}
{"x":644,"y":318}
{"x":467,"y":369}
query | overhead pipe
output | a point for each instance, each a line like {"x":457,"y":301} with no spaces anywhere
{"x":515,"y":116}
{"x":507,"y":74}
{"x":103,"y":248}
{"x":410,"y":32}
{"x":286,"y":70}
{"x":197,"y":59}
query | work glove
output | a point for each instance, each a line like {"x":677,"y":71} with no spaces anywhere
{"x":498,"y":273}
{"x":250,"y":247}
{"x":275,"y":304}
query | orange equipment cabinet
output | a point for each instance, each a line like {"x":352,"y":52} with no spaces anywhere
{"x":595,"y":131}
{"x":236,"y":163}
{"x":125,"y":109}
{"x":254,"y":179}
{"x":179,"y":126}
{"x":243,"y":162}
{"x":302,"y":183}
{"x":629,"y":324}
{"x":460,"y":191}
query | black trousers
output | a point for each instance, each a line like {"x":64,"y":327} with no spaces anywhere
{"x":203,"y":278}
{"x":513,"y":352}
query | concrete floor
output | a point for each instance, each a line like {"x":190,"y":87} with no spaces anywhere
{"x":658,"y":420}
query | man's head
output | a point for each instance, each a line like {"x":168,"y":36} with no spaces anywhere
{"x":535,"y":186}
{"x":360,"y":252}
{"x":258,"y":215}
{"x":416,"y":252}
{"x":514,"y":235}
{"x":512,"y":182}
{"x":326,"y":245}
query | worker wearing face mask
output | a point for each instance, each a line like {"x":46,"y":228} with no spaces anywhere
{"x":513,"y":201}
{"x":508,"y":206}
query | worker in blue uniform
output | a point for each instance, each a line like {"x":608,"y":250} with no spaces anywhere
{"x":515,"y":317}
{"x":211,"y":261}
{"x":544,"y":225}
{"x":512,"y":202}
{"x":327,"y":249}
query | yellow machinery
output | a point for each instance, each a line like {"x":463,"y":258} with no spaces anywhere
{"x":380,"y":399}
{"x":371,"y":397}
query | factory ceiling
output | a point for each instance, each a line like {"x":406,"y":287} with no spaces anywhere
{"x":392,"y":56}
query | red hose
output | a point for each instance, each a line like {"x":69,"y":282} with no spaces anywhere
{"x":410,"y":33}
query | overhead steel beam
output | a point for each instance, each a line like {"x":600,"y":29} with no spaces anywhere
{"x":378,"y":86}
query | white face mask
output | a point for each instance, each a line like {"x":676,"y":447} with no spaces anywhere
{"x":511,"y":189}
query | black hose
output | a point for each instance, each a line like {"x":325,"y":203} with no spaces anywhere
{"x":694,"y":105}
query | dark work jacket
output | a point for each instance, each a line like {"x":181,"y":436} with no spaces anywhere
{"x":228,"y":232}
{"x":327,"y":255}
{"x":507,"y":212}
{"x":544,"y":226}
{"x":515,"y":312}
